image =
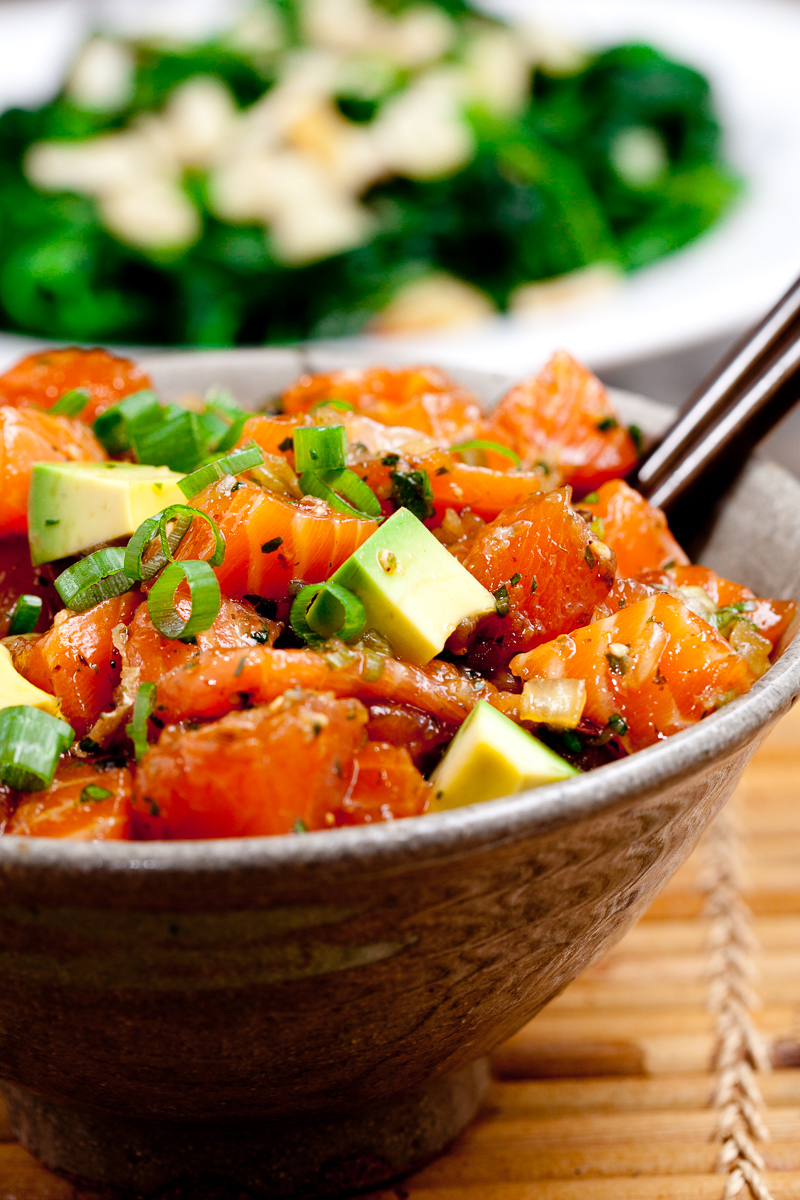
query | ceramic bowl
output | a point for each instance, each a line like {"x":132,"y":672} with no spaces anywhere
{"x":304,"y":1016}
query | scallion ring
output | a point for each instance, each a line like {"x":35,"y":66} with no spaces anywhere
{"x":313,"y":484}
{"x":332,"y":402}
{"x":249,"y":456}
{"x":95,"y":578}
{"x":113,"y":428}
{"x":320,"y":447}
{"x":353,"y":489}
{"x":482,"y":444}
{"x":24,"y":615}
{"x":204,"y":594}
{"x":31,"y":743}
{"x":71,"y":404}
{"x":325,"y":610}
{"x":182,"y":515}
{"x":136,"y":728}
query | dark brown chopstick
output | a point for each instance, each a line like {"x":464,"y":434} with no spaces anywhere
{"x":752,"y":388}
{"x":715,"y":395}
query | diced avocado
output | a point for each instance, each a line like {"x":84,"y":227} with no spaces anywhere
{"x":15,"y":689}
{"x":489,"y":757}
{"x":414,"y":591}
{"x":75,"y":505}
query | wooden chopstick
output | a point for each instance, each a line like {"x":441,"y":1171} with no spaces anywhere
{"x":749,"y":391}
{"x":765,"y":399}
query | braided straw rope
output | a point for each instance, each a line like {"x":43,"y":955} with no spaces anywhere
{"x":739,"y":1050}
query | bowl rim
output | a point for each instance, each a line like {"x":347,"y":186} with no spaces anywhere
{"x":414,"y":841}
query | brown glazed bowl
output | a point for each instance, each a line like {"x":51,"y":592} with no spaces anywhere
{"x":306,"y":1016}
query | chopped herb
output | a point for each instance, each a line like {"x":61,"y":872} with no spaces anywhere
{"x":514,"y":580}
{"x":443,"y":471}
{"x":588,"y":557}
{"x":571,"y":742}
{"x":89,"y":746}
{"x":670,"y":566}
{"x":272,"y":545}
{"x":390,"y":460}
{"x":541,"y":465}
{"x":92,"y":794}
{"x":637,"y":437}
{"x":412,"y":490}
{"x":617,"y":663}
{"x":261,"y":636}
{"x":618,"y":724}
{"x":598,"y":528}
{"x":502,"y":605}
{"x":51,"y":521}
{"x":299,"y":826}
{"x":286,"y":444}
{"x":592,"y":498}
{"x":240,"y":667}
{"x":155,"y":811}
{"x":245,"y":699}
{"x":607,"y":423}
{"x":724,"y":618}
{"x":534,"y":584}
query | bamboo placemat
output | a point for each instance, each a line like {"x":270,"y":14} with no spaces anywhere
{"x":669,"y":1071}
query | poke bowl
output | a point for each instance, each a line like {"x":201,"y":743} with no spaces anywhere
{"x":311,"y":1015}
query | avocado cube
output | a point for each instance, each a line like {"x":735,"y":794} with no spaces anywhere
{"x":72,"y":506}
{"x":490,"y":757}
{"x":15,"y":689}
{"x":414,"y":591}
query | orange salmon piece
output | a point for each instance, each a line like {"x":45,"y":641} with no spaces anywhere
{"x":252,"y":773}
{"x":771,"y":617}
{"x":153,"y":655}
{"x":655,"y":663}
{"x":636,"y":532}
{"x":218,"y":681}
{"x":42,"y":379}
{"x":387,"y":786}
{"x":422,"y":398}
{"x":18,"y":577}
{"x":401,"y":725}
{"x":552,"y":567}
{"x":271,"y":539}
{"x":76,"y":660}
{"x":564,"y":417}
{"x":68,"y":810}
{"x":28,"y":436}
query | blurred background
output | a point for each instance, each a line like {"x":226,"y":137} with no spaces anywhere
{"x":405,"y":180}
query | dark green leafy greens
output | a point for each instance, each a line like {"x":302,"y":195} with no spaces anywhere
{"x":544,"y":194}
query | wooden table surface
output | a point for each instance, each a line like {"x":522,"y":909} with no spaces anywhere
{"x":671,"y":1069}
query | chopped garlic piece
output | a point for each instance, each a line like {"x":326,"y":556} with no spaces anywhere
{"x":497,"y":71}
{"x":155,"y":215}
{"x":103,"y":76}
{"x":422,"y":132}
{"x":639,"y":155}
{"x":413,"y":39}
{"x":200,"y":119}
{"x":436,"y":301}
{"x":112,"y":162}
{"x":318,"y":224}
{"x":550,"y":49}
{"x":569,"y":291}
{"x":258,"y":31}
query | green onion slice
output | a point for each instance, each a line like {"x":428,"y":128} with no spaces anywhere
{"x":114,"y":427}
{"x":177,"y":440}
{"x":320,"y":447}
{"x":315,"y":483}
{"x":182,"y":515}
{"x":136,"y":728}
{"x":204,"y":594}
{"x":224,"y":406}
{"x":481,"y":444}
{"x":24,"y":615}
{"x":97,"y":577}
{"x":249,"y":456}
{"x":333,"y":402}
{"x":71,"y":404}
{"x":325,"y":610}
{"x":31,"y":743}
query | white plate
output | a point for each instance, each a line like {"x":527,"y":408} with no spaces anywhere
{"x":748,"y":48}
